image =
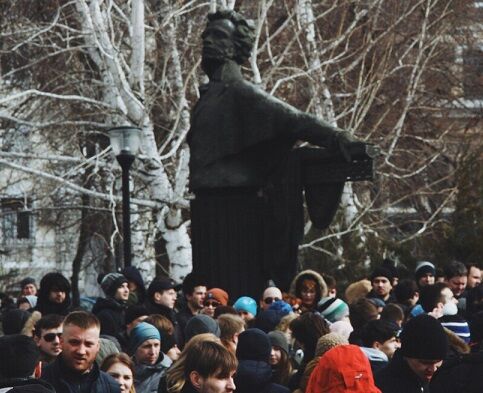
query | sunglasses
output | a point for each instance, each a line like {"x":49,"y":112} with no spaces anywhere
{"x":212,"y":304}
{"x":270,"y":300}
{"x":49,"y":337}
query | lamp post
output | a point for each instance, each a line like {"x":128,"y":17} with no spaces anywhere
{"x":125,"y":143}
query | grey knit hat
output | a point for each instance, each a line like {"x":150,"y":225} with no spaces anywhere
{"x":201,"y":324}
{"x":111,"y":281}
{"x":278,"y":339}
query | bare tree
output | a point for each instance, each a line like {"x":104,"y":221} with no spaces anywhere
{"x":382,"y":69}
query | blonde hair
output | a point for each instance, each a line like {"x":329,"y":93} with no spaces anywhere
{"x":205,"y":354}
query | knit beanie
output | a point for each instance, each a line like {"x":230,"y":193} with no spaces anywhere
{"x":18,"y":356}
{"x":142,"y":332}
{"x":342,"y":328}
{"x":134,"y":312}
{"x":278,"y":339}
{"x":267,"y":320}
{"x":381,"y":272}
{"x":110,"y":282}
{"x":27,"y":281}
{"x":14,"y":320}
{"x":423,"y":337}
{"x":281,"y":308}
{"x":247,"y":304}
{"x":253,"y":344}
{"x":329,"y":341}
{"x":217,"y":294}
{"x":333,"y":309}
{"x":201,"y":324}
{"x":424,"y":267}
{"x":106,"y":347}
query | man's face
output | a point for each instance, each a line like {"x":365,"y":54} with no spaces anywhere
{"x":245,"y":315}
{"x":448,"y":296}
{"x":49,"y":341}
{"x":216,"y":385}
{"x":57,"y":296}
{"x":166,"y":298}
{"x":457,"y":284}
{"x":122,"y":293}
{"x":426,"y":279}
{"x":424,"y":369}
{"x":29,"y":289}
{"x":382,"y":286}
{"x":79,"y":347}
{"x":474,"y":277}
{"x":389,"y":347}
{"x":218,"y":42}
{"x":148,"y":351}
{"x":195,"y":300}
{"x":270,"y":295}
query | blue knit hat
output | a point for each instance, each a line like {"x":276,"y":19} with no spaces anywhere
{"x":247,"y":304}
{"x":142,"y":332}
{"x":282,"y":308}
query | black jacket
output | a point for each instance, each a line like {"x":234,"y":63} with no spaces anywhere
{"x":461,"y":374}
{"x":111,"y":314}
{"x":65,"y":381}
{"x":253,"y":376}
{"x":26,"y":385}
{"x":169,"y":313}
{"x":397,"y":377}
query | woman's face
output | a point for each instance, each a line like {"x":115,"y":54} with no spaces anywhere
{"x":308,"y":292}
{"x":122,"y":374}
{"x":275,"y":356}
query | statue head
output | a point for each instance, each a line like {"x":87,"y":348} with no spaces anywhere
{"x":227,"y":36}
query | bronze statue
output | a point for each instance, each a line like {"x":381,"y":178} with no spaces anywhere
{"x":248,"y":181}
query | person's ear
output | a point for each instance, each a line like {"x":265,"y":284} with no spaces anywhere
{"x":195,"y":379}
{"x":376,"y":345}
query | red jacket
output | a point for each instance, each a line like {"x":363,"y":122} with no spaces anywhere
{"x":342,"y":369}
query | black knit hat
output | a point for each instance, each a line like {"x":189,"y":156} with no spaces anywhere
{"x":19,"y":356}
{"x":13,"y":321}
{"x":423,"y":337}
{"x":26,"y":281}
{"x":382,"y":272}
{"x":253,"y":344}
{"x":111,"y":282}
{"x":134,"y":312}
{"x":424,"y":267}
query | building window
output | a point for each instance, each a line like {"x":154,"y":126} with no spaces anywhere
{"x":473,"y":73}
{"x":16,"y":219}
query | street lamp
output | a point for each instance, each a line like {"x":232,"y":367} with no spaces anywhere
{"x":125,"y":143}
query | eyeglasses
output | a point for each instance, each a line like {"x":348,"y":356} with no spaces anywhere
{"x":49,"y":337}
{"x":270,"y":300}
{"x":212,"y":304}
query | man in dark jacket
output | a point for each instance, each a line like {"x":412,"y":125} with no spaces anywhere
{"x":111,"y":309}
{"x":54,"y":295}
{"x":424,"y":345}
{"x":75,"y":369}
{"x":254,"y":373}
{"x":161,"y":300}
{"x":19,"y":359}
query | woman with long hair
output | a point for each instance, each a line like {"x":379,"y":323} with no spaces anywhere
{"x":279,"y":358}
{"x":121,"y":368}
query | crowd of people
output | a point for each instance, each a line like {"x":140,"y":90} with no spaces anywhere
{"x":381,"y":334}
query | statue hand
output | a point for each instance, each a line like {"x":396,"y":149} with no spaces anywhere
{"x":343,"y":141}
